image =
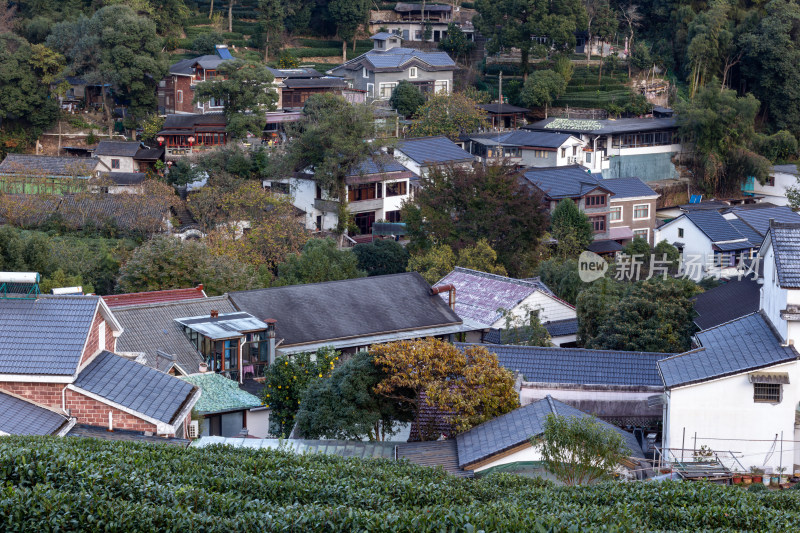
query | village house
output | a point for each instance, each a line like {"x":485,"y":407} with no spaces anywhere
{"x":408,"y":20}
{"x":227,"y":410}
{"x":632,"y":209}
{"x":504,"y":116}
{"x":73,"y":370}
{"x":422,"y":154}
{"x":47,"y":174}
{"x":380,"y":70}
{"x":176,"y":90}
{"x":187,"y":134}
{"x":525,"y":148}
{"x":781,"y":178}
{"x":622,"y":148}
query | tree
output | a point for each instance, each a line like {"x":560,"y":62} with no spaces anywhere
{"x":329,"y":141}
{"x":481,"y":257}
{"x":345,"y":406}
{"x":541,"y":88}
{"x":25,"y":101}
{"x":459,"y":207}
{"x":270,"y":21}
{"x":653,"y":316}
{"x":348,"y":16}
{"x":780,"y":146}
{"x":434,"y":263}
{"x":604,"y":26}
{"x":592,"y":307}
{"x":381,"y":257}
{"x":321,"y":260}
{"x":710,"y":39}
{"x":470,"y":385}
{"x":118,"y":48}
{"x":448,"y":114}
{"x":286,"y":382}
{"x":561,"y":276}
{"x":571,"y":228}
{"x":206,"y":42}
{"x":579,"y":450}
{"x":246,"y":90}
{"x":165,"y":262}
{"x":406,"y":98}
{"x":524,"y":329}
{"x":456,"y":43}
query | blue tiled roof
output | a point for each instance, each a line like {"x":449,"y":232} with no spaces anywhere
{"x":726,"y":302}
{"x":517,"y":427}
{"x":135,"y":386}
{"x":382,"y":36}
{"x":579,"y":366}
{"x":44,"y":336}
{"x":378,"y":165}
{"x":536,"y":139}
{"x":753,"y":237}
{"x":559,"y":328}
{"x":714,"y":225}
{"x":563,"y":182}
{"x":395,"y":58}
{"x":758,"y":219}
{"x":786,"y":243}
{"x":747,"y":343}
{"x":628,"y":188}
{"x":20,"y":417}
{"x":436,"y":150}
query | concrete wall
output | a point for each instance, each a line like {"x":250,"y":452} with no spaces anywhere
{"x":549,"y":309}
{"x":627,"y":219}
{"x":776,"y":193}
{"x":695,"y":242}
{"x":126,"y":164}
{"x":648,"y":164}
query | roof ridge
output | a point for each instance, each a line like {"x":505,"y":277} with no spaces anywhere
{"x":325,"y":282}
{"x":678,"y":355}
{"x":176,"y":302}
{"x":560,"y":348}
{"x":552,"y":405}
{"x":728,"y":322}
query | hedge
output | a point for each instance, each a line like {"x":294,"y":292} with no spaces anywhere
{"x":75,"y":484}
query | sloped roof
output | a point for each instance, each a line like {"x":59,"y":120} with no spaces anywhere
{"x":382,"y":36}
{"x":752,"y":236}
{"x":149,"y":154}
{"x":607,"y":126}
{"x":22,"y":417}
{"x":125,"y":178}
{"x":786,"y":169}
{"x":499,"y":109}
{"x":628,"y":188}
{"x":579,"y":366}
{"x":442,"y":453}
{"x":758,"y":219}
{"x":327,"y":81}
{"x":49,"y":165}
{"x":137,"y":387}
{"x":726,"y":302}
{"x":559,"y":328}
{"x":402,"y":7}
{"x":352,"y":308}
{"x":119,"y":148}
{"x":379,"y":164}
{"x":152,"y":297}
{"x":220,"y":394}
{"x":395,"y":60}
{"x":517,"y":427}
{"x":44,"y":336}
{"x":433,"y":150}
{"x":714,"y":225}
{"x":223,"y":326}
{"x":747,"y":343}
{"x":190,"y":121}
{"x":571,"y":181}
{"x":151,"y":327}
{"x":184,"y":67}
{"x":530,"y":139}
{"x":479,"y":295}
{"x":786,"y":244}
{"x":301,"y":72}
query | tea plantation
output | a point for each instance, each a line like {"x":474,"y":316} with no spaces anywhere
{"x":70,"y":484}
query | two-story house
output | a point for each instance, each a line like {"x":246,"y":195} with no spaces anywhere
{"x":423,"y":154}
{"x":176,"y":90}
{"x":185,"y":134}
{"x":622,"y":148}
{"x":632,"y":209}
{"x":526,"y":148}
{"x":781,"y":178}
{"x":380,"y":70}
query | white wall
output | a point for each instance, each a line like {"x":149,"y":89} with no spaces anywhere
{"x":527,"y":454}
{"x":126,"y":164}
{"x":258,"y":423}
{"x":532,"y":392}
{"x":549,"y":309}
{"x":724,"y":416}
{"x":776,"y":194}
{"x":773,"y":298}
{"x":563,"y":339}
{"x":694,"y":241}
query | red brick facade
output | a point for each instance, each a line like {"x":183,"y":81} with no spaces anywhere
{"x":90,"y":411}
{"x":92,"y":344}
{"x":176,"y":95}
{"x":48,"y":394}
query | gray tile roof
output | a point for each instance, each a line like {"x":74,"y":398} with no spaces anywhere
{"x":786,"y":244}
{"x":522,"y":138}
{"x":563,"y":182}
{"x":190,"y":121}
{"x":752,"y":236}
{"x":20,"y":417}
{"x":442,"y":453}
{"x":600,"y":127}
{"x":433,"y":150}
{"x":135,"y":386}
{"x":747,"y":343}
{"x":93,"y":432}
{"x":378,"y":165}
{"x":714,"y":225}
{"x":559,"y":328}
{"x":726,"y":302}
{"x":44,"y":336}
{"x":518,"y":426}
{"x":579,"y":366}
{"x":125,"y":178}
{"x":184,"y":67}
{"x":758,"y":219}
{"x":152,"y":327}
{"x":786,"y":169}
{"x":49,"y":165}
{"x":628,"y":188}
{"x":500,"y":109}
{"x":382,"y":36}
{"x":120,"y":148}
{"x":325,"y":82}
{"x":350,"y":308}
{"x":480,"y":295}
{"x":303,"y":72}
{"x":398,"y":59}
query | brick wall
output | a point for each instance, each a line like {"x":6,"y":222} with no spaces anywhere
{"x":90,"y":411}
{"x":111,"y":340}
{"x":44,"y":393}
{"x":92,"y":344}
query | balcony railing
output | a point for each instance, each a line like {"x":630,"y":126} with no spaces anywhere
{"x":327,"y":206}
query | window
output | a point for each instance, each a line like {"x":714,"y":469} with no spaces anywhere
{"x":380,"y":44}
{"x":641,"y":211}
{"x":588,"y":157}
{"x":364,"y":221}
{"x":440,"y":86}
{"x":364,"y":191}
{"x":180,"y":97}
{"x":641,"y":233}
{"x":418,"y":35}
{"x":115,"y":163}
{"x":616,"y":213}
{"x":231,"y":349}
{"x":364,"y":72}
{"x":596,"y":200}
{"x":386,"y":90}
{"x":393,"y":216}
{"x":541,"y":154}
{"x":766,"y":392}
{"x":371,"y":90}
{"x":318,"y":193}
{"x":770,"y":181}
{"x":563,"y":152}
{"x":680,"y":233}
{"x":412,"y":72}
{"x":574,"y":150}
{"x":279,"y":188}
{"x":398,"y":188}
{"x":216,"y":102}
{"x":598,"y":223}
{"x":101,"y":335}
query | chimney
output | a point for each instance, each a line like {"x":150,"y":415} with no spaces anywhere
{"x":199,"y":287}
{"x":214,"y":313}
{"x":271,"y":337}
{"x":450,"y":288}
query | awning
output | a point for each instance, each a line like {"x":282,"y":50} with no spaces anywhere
{"x":621,"y":233}
{"x":283,"y":117}
{"x":604,"y":247}
{"x":781,"y":378}
{"x":732,"y":246}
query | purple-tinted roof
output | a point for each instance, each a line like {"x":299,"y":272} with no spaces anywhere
{"x":479,"y":295}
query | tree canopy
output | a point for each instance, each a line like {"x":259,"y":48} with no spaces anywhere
{"x":542,"y":87}
{"x":406,"y":98}
{"x":381,"y":257}
{"x":321,"y":260}
{"x":448,"y":114}
{"x":571,"y":228}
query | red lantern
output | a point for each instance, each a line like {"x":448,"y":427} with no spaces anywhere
{"x":160,"y":140}
{"x":191,"y":141}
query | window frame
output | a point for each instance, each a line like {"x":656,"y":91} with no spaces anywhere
{"x":646,"y":206}
{"x":364,"y":72}
{"x":401,"y":186}
{"x":638,"y":233}
{"x":680,"y":233}
{"x":115,"y":164}
{"x":763,"y":397}
{"x":413,"y":72}
{"x":391,"y":85}
{"x":599,"y":198}
{"x":599,"y":223}
{"x":615,"y":210}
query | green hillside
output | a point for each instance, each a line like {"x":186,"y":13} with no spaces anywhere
{"x":71,"y":484}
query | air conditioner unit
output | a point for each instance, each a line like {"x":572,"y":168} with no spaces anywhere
{"x":194,"y":429}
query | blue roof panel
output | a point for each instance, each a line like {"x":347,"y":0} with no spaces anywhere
{"x":714,"y":225}
{"x":433,"y":150}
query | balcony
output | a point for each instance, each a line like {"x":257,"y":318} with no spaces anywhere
{"x":366,"y":205}
{"x":326,"y":206}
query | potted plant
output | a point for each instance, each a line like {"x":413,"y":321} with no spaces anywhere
{"x":757,"y":474}
{"x":780,"y":477}
{"x":747,"y":479}
{"x":737,"y":478}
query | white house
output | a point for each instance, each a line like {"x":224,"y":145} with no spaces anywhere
{"x":780,"y":179}
{"x":739,"y":392}
{"x":527,"y":148}
{"x":422,"y":154}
